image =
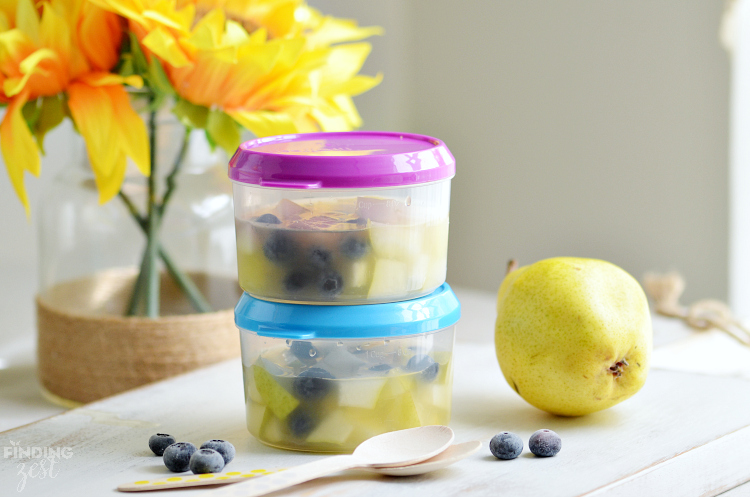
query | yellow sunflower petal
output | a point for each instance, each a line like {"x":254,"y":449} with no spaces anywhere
{"x":18,"y":148}
{"x":133,"y":137}
{"x":264,"y":123}
{"x":94,"y":117}
{"x":164,"y":44}
{"x":107,"y":79}
{"x":29,"y":67}
{"x":27,"y":20}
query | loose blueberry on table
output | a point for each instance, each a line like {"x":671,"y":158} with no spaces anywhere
{"x":160,"y":441}
{"x":206,"y":461}
{"x":177,"y":456}
{"x":506,"y":445}
{"x":223,"y":447}
{"x":545,"y":443}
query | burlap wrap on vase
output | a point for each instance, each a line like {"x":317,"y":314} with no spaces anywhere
{"x":88,"y":350}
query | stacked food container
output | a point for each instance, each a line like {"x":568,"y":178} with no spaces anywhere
{"x":346,"y":323}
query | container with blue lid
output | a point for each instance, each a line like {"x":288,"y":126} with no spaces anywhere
{"x":325,"y":378}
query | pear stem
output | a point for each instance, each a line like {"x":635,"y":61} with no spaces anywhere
{"x":512,"y":266}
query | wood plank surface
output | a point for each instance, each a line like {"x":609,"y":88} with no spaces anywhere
{"x":683,"y":434}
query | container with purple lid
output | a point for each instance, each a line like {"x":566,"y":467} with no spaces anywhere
{"x":342,"y":218}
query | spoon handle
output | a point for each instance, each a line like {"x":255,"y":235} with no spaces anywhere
{"x":287,"y":478}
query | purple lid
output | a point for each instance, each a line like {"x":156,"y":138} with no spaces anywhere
{"x":350,"y":159}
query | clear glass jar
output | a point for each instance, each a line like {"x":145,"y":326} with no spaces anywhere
{"x":90,"y":253}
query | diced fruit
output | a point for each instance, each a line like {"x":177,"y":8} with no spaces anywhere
{"x":256,"y":274}
{"x":313,"y":384}
{"x":353,"y":393}
{"x":389,"y":278}
{"x":341,"y":363}
{"x":401,"y":242}
{"x":358,"y":275}
{"x":506,"y":445}
{"x":223,"y":447}
{"x":334,"y":429}
{"x":251,"y":391}
{"x":418,"y":273}
{"x":255,"y":416}
{"x":362,"y":393}
{"x":177,"y":456}
{"x":206,"y":461}
{"x":272,"y":429}
{"x":274,"y":395}
{"x":157,"y":443}
{"x":288,"y":210}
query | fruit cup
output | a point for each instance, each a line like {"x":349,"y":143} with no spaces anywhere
{"x":342,"y":218}
{"x":325,"y":378}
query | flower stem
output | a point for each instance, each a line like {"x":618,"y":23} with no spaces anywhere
{"x":152,"y":234}
{"x":191,"y":291}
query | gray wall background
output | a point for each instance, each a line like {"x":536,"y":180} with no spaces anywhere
{"x":586,"y":127}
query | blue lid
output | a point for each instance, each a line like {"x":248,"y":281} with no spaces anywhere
{"x":433,"y":312}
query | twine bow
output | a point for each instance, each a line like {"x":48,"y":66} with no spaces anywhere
{"x":666,"y":289}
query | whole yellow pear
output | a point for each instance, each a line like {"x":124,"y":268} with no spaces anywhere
{"x":573,"y":335}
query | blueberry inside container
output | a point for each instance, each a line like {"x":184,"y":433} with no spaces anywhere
{"x":324,"y":379}
{"x":342,"y":218}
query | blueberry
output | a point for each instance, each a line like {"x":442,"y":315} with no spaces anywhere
{"x":279,"y":248}
{"x":506,"y":445}
{"x":331,"y":283}
{"x":301,"y":422}
{"x":223,"y":447}
{"x":304,"y":351}
{"x":177,"y":456}
{"x":312,"y":384}
{"x":157,"y":443}
{"x":381,"y":367}
{"x":319,"y":257}
{"x":206,"y":461}
{"x":354,"y":247}
{"x":545,"y":443}
{"x":428,"y":369}
{"x":268,"y":219}
{"x":296,"y":281}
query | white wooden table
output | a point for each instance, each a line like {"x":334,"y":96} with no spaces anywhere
{"x":685,"y":433}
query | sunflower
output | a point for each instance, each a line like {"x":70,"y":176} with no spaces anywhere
{"x":49,"y":69}
{"x":270,"y":66}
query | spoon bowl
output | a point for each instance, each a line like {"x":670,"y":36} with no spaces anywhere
{"x":452,"y":454}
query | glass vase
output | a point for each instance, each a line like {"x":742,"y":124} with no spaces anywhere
{"x":93,"y":339}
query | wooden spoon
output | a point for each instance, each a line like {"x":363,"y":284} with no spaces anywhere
{"x":395,"y":448}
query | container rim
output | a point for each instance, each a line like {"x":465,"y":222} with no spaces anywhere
{"x":347,"y":159}
{"x":430,"y":313}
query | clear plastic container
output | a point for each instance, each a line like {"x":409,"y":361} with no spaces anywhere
{"x":324,"y":379}
{"x":342,"y":218}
